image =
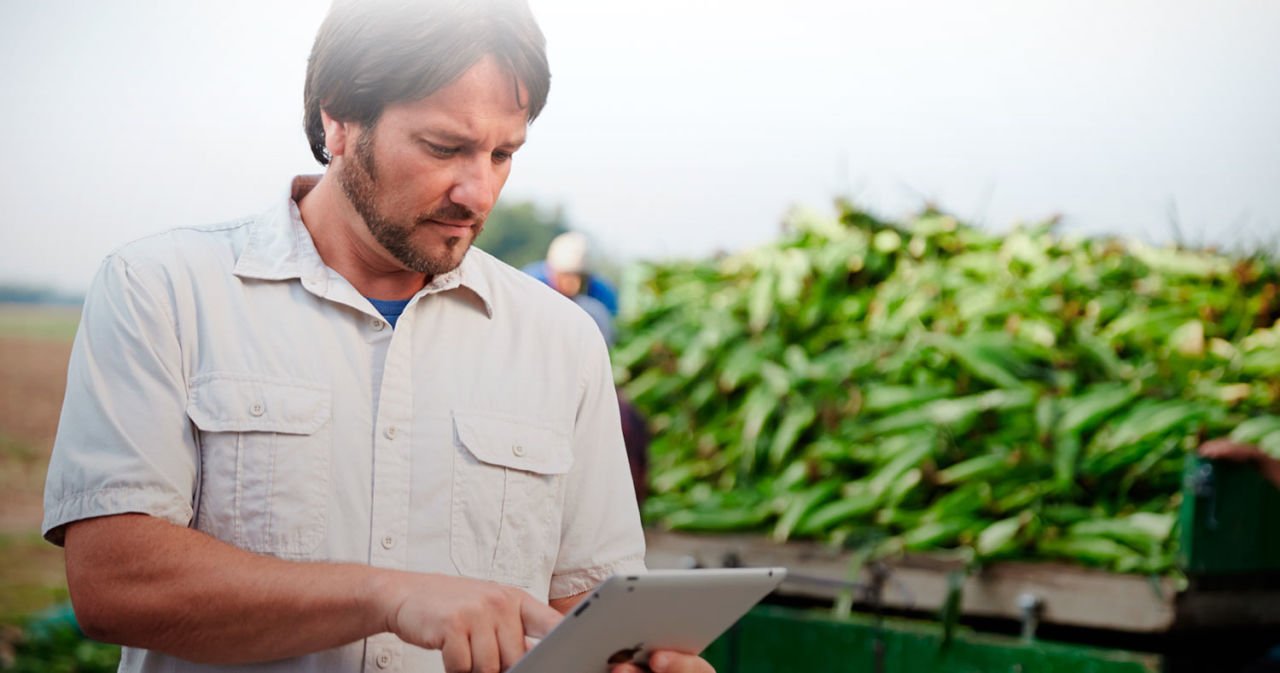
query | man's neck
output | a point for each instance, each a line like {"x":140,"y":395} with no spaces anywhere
{"x":346,"y":246}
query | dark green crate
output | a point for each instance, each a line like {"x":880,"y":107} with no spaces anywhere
{"x":773,"y":639}
{"x":1229,"y":519}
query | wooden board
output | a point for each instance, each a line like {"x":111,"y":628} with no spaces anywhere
{"x":1070,"y":595}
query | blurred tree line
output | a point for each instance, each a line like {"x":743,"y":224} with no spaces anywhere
{"x":22,"y":293}
{"x":519,"y":233}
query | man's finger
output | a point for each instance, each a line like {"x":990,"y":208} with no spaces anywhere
{"x":484,"y":649}
{"x":457,"y":653}
{"x":538,"y":619}
{"x":511,"y":640}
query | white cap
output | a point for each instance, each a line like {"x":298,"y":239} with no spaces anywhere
{"x":568,"y":253}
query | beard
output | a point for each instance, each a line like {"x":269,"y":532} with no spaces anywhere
{"x":359,"y":182}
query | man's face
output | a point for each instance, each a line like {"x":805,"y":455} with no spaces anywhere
{"x":425,"y":177}
{"x":568,"y":284}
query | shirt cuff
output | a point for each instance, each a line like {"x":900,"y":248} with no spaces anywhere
{"x":109,"y":501}
{"x":581,"y":581}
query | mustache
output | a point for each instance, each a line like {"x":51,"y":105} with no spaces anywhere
{"x":453,"y":212}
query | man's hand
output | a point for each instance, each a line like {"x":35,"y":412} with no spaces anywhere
{"x":1225,"y":449}
{"x":669,"y":662}
{"x":477,"y":626}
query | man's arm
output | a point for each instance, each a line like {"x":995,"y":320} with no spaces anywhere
{"x":140,"y":581}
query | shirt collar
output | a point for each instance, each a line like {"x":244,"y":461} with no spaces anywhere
{"x":279,"y":245}
{"x":468,"y":276}
{"x":280,"y":248}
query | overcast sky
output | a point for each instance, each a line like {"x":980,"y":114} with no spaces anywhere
{"x":676,"y":127}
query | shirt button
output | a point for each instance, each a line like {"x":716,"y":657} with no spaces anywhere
{"x":383,"y":660}
{"x":517,"y":450}
{"x":388,"y":542}
{"x":390,"y":432}
{"x":378,"y":325}
{"x":257,"y":409}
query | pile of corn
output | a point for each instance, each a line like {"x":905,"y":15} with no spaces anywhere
{"x":926,"y":385}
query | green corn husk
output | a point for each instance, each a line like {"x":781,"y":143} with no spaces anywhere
{"x":937,"y":386}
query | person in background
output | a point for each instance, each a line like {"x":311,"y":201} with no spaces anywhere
{"x":567,"y":268}
{"x":321,"y":439}
{"x":599,"y":314}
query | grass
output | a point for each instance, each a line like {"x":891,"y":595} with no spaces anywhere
{"x":34,"y":321}
{"x":33,"y":576}
{"x":22,"y":474}
{"x":37,"y":634}
{"x":15,"y":449}
{"x":32,"y":366}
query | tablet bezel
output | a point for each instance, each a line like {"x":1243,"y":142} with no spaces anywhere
{"x":636,"y":614}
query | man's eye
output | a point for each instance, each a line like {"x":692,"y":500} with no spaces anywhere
{"x":442,"y":150}
{"x":501,"y":157}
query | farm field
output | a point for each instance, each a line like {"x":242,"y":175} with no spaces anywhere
{"x":35,"y":343}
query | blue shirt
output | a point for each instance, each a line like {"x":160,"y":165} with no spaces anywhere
{"x":596,"y":288}
{"x":389,"y":308}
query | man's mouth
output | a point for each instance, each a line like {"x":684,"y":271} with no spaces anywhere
{"x":451,"y":228}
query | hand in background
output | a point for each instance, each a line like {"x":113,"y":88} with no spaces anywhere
{"x":1225,"y":449}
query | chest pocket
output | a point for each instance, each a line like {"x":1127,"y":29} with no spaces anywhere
{"x":264,"y":461}
{"x":507,"y":479}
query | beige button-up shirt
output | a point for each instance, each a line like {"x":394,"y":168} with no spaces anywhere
{"x":224,"y":378}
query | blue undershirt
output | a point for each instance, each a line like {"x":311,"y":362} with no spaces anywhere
{"x":389,"y":308}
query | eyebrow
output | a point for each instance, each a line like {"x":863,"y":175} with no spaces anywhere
{"x":460,"y":139}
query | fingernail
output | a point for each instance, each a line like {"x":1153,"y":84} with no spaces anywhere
{"x":658,"y":663}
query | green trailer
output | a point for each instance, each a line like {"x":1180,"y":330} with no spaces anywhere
{"x":1014,"y":616}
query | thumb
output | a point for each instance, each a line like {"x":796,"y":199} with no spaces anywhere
{"x":538,"y":618}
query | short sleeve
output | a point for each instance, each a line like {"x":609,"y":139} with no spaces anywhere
{"x":124,"y":443}
{"x":601,"y":532}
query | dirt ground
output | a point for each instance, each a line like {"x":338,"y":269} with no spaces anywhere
{"x":32,"y":381}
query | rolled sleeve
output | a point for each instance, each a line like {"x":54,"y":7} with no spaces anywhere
{"x":124,"y":443}
{"x":601,"y":533}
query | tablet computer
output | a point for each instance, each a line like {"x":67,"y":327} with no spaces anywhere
{"x":629,"y":616}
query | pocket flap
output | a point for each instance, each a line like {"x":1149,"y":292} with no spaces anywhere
{"x":222,"y":402}
{"x":512,"y":442}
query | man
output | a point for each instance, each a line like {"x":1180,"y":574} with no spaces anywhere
{"x":255,"y":465}
{"x":567,"y":269}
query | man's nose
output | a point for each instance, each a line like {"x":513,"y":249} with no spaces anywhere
{"x":475,"y":186}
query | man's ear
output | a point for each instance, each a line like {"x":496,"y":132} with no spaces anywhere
{"x":337,"y":134}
